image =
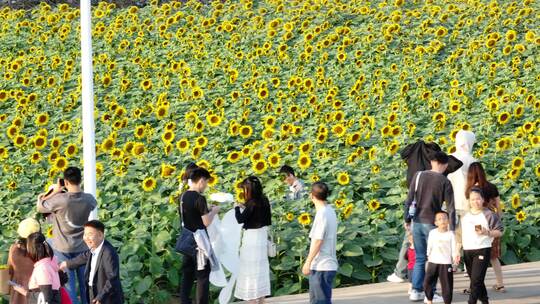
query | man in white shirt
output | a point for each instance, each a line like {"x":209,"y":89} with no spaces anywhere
{"x":102,"y":271}
{"x":321,"y":263}
{"x":296,"y":186}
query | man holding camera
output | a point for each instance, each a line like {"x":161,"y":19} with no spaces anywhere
{"x":69,"y":212}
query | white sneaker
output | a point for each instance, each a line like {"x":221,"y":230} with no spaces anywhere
{"x":394,"y":278}
{"x":416,"y":296}
{"x":436,"y":299}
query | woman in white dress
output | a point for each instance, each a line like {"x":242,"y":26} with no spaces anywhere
{"x":253,"y":282}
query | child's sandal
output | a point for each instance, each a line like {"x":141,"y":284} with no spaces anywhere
{"x":467,"y":291}
{"x":498,"y":288}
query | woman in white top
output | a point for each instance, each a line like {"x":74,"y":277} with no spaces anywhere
{"x":480,"y":226}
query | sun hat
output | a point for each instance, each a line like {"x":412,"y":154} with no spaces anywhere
{"x":27,"y":227}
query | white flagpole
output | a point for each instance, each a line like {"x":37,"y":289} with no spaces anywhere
{"x":89,"y":145}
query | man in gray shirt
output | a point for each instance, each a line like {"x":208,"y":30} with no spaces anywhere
{"x":321,"y":263}
{"x":69,"y":211}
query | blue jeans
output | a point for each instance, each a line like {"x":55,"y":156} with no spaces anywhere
{"x":74,"y":275}
{"x":420,"y":233}
{"x":320,"y":287}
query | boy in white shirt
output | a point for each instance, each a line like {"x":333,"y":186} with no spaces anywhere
{"x":442,"y":253}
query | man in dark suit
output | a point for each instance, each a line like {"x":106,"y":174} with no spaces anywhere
{"x":102,"y":274}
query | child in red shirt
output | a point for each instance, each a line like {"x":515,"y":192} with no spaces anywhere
{"x":410,"y":256}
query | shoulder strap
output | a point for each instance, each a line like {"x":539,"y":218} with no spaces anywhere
{"x":180,"y":208}
{"x":416,"y":185}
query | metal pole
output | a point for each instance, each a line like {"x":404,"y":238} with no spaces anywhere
{"x":89,"y":146}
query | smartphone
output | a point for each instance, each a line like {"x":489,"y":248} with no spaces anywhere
{"x":62,"y":183}
{"x":14,"y":284}
{"x":478,"y":227}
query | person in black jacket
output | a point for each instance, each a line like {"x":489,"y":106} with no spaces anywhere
{"x":253,"y":281}
{"x":102,"y":272}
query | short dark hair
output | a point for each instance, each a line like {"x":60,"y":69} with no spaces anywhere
{"x":199,"y":173}
{"x":320,"y":191}
{"x":288,"y":170}
{"x":96,"y":225}
{"x":37,"y":247}
{"x":73,"y":175}
{"x":477,"y":190}
{"x":187,"y":172}
{"x":443,"y":212}
{"x":440,"y":157}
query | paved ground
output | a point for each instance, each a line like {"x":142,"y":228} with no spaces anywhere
{"x":522,"y":284}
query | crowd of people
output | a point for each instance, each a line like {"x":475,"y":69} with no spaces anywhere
{"x":451,"y":212}
{"x":451,"y":209}
{"x":77,"y":265}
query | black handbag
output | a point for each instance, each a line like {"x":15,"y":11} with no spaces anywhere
{"x":185,"y":243}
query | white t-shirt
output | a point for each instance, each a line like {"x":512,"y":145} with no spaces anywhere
{"x":325,"y":228}
{"x":441,"y":247}
{"x":487,"y":219}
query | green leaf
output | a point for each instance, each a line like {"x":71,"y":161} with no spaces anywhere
{"x":352,"y":250}
{"x":510,"y":257}
{"x":156,"y":266}
{"x":346,"y":269}
{"x":143,"y":285}
{"x":161,"y":240}
{"x":371,"y":261}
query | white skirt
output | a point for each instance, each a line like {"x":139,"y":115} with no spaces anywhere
{"x":253,"y":279}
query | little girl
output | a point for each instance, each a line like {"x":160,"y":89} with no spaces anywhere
{"x":410,"y":256}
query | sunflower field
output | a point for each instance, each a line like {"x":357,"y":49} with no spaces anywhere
{"x":333,"y":88}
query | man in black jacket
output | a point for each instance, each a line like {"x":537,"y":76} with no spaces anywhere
{"x":102,"y":275}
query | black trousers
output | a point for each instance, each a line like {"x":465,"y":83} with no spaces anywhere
{"x":189,"y":274}
{"x":477,"y":262}
{"x":444,"y":273}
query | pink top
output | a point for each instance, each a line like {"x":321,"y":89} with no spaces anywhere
{"x":45,"y":273}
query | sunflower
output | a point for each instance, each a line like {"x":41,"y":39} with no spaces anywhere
{"x":34,"y":158}
{"x":304,"y":161}
{"x":19,"y":140}
{"x":60,"y":163}
{"x":518,"y":163}
{"x":373,"y":205}
{"x":454,"y":107}
{"x":537,"y":171}
{"x":339,"y":130}
{"x":40,"y":142}
{"x":149,"y":184}
{"x":161,"y":112}
{"x":339,"y":203}
{"x":42,"y":119}
{"x":146,"y":84}
{"x":246,"y":131}
{"x":304,"y":219}
{"x":182,"y":145}
{"x":260,"y":166}
{"x":138,"y":149}
{"x":516,"y":201}
{"x":393,"y":147}
{"x":139,"y":131}
{"x":521,"y":216}
{"x":213,"y":120}
{"x":343,"y":178}
{"x":503,"y":118}
{"x":234,"y":157}
{"x":348,"y":211}
{"x":167,"y":136}
{"x":107,"y":144}
{"x":167,"y":170}
{"x":201,"y":141}
{"x":274,"y":160}
{"x":49,"y":233}
{"x":289,"y":216}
